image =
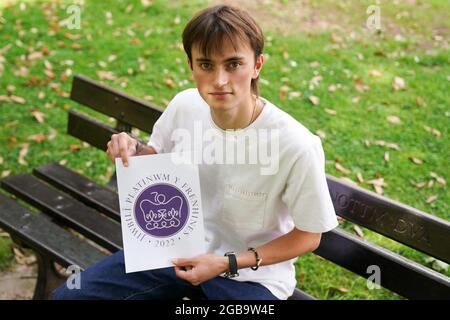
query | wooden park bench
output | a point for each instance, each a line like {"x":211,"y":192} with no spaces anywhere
{"x":70,"y":202}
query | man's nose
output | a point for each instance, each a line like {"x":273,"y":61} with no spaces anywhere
{"x":220,"y":78}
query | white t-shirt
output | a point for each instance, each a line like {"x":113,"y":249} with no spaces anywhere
{"x":242,"y":207}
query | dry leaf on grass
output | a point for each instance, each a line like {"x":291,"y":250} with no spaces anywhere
{"x":398,"y":84}
{"x":314,"y":100}
{"x":358,"y":231}
{"x":360,"y":177}
{"x":17,"y":99}
{"x":22,"y":153}
{"x":415,"y":160}
{"x":432,"y":198}
{"x":387,"y":144}
{"x":6,"y":173}
{"x":378,"y":184}
{"x":393,"y":119}
{"x":170,"y":83}
{"x":341,"y":169}
{"x":39,"y":116}
{"x":39,"y":137}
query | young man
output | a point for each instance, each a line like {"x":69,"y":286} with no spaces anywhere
{"x":255,"y":223}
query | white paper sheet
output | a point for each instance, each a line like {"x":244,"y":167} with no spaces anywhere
{"x":161,"y":212}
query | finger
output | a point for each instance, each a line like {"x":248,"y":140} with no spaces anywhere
{"x":181,"y":262}
{"x":108,"y":150}
{"x":114,"y":146}
{"x":180,"y":273}
{"x":123,"y":148}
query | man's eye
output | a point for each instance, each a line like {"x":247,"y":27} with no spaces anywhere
{"x":234,"y":65}
{"x":205,"y":66}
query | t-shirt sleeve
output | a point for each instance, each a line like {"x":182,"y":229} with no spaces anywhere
{"x":306,"y":194}
{"x":160,"y":138}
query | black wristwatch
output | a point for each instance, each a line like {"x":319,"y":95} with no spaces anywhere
{"x":233,"y":272}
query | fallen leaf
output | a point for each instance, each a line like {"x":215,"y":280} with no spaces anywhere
{"x":146,"y":3}
{"x":335,"y":38}
{"x":398,"y":83}
{"x":360,"y":177}
{"x":314,"y":100}
{"x":358,"y":231}
{"x":74,"y":147}
{"x":35,"y":55}
{"x":420,"y":101}
{"x":321,"y":134}
{"x":1,"y":160}
{"x":387,"y":144}
{"x":420,"y":185}
{"x":432,"y":198}
{"x":378,"y":185}
{"x":106,"y":75}
{"x":170,"y":83}
{"x":332,"y":88}
{"x":386,"y":156}
{"x":314,"y":64}
{"x":62,"y":162}
{"x":340,"y":168}
{"x":52,"y":134}
{"x":39,"y":137}
{"x":6,"y":173}
{"x":375,"y":73}
{"x":356,"y":99}
{"x":17,"y":99}
{"x":314,"y":82}
{"x":393,"y":119}
{"x":39,"y":116}
{"x":415,"y":160}
{"x":330,"y":111}
{"x":430,"y":183}
{"x":433,"y":131}
{"x":360,"y":86}
{"x":22,"y":153}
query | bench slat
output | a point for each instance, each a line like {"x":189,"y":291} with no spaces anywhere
{"x":42,"y":235}
{"x":70,"y":211}
{"x":81,"y":188}
{"x":127,"y":109}
{"x":398,"y":274}
{"x":92,"y":131}
{"x":390,"y":218}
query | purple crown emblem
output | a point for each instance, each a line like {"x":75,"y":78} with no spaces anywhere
{"x":161,"y":210}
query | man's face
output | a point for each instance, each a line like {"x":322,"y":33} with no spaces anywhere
{"x":224,"y":79}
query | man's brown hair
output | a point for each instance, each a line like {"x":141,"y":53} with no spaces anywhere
{"x":210,"y":27}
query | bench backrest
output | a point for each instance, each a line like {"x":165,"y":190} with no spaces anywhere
{"x":392,"y":219}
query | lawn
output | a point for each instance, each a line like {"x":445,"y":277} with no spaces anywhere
{"x":378,"y":99}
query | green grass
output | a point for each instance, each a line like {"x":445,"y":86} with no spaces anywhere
{"x":419,"y":59}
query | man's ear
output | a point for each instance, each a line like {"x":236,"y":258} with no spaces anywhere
{"x":258,"y":65}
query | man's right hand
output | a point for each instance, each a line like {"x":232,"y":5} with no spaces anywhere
{"x":122,"y":146}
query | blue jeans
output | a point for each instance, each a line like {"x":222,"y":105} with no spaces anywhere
{"x":107,"y":280}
